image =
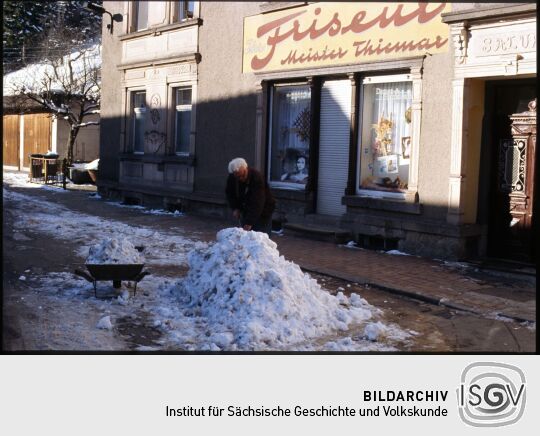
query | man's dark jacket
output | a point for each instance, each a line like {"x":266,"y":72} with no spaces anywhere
{"x":252,"y":197}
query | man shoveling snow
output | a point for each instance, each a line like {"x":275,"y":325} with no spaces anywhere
{"x":249,"y":197}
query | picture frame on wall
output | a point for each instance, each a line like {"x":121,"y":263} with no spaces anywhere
{"x":392,"y":164}
{"x":385,"y":165}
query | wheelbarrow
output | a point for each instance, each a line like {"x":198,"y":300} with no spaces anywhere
{"x":115,"y":272}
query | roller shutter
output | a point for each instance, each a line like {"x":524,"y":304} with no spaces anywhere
{"x":333,"y":146}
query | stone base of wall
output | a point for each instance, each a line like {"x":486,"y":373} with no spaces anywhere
{"x":292,"y":206}
{"x":188,"y":203}
{"x":409,"y":233}
{"x":417,"y":236}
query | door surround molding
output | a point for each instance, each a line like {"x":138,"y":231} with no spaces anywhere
{"x":480,"y":52}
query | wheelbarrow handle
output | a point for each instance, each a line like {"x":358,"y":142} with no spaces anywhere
{"x":84,"y":275}
{"x":141,"y":275}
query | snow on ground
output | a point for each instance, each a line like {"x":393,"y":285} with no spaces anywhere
{"x":397,"y":253}
{"x":62,"y":223}
{"x":252,"y":298}
{"x":183,"y":326}
{"x":144,"y":209}
{"x":530,"y":325}
{"x":240,"y":294}
{"x":21,"y":180}
{"x":114,"y":250}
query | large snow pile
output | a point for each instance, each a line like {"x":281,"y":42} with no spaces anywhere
{"x":113,"y":250}
{"x":252,"y":298}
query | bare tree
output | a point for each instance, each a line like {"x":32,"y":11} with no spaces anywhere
{"x":68,"y":86}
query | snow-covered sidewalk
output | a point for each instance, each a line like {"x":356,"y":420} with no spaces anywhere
{"x":239,"y":294}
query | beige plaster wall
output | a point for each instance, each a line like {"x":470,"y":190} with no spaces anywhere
{"x":465,"y":6}
{"x":226,"y":106}
{"x":86,"y":146}
{"x":435,"y":134}
{"x":475,"y":115}
{"x":111,"y":93}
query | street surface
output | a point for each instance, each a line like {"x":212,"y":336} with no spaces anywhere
{"x":41,"y":312}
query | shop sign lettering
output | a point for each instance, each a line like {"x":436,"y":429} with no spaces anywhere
{"x":513,"y":43}
{"x":323,"y":34}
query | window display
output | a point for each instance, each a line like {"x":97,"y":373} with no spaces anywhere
{"x":291,"y":124}
{"x":386,"y":136}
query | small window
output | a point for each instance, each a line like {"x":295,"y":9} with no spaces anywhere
{"x":138,"y":120}
{"x":140,"y":15}
{"x":182,"y":124}
{"x":385,"y":143}
{"x":289,"y":140}
{"x":184,"y":10}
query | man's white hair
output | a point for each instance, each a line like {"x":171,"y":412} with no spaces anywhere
{"x":236,"y":164}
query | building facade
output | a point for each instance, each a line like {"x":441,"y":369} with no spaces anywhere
{"x":30,"y":127}
{"x":391,"y":121}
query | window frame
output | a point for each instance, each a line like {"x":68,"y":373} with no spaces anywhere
{"x":135,"y":16}
{"x":181,"y":108}
{"x":280,"y":184}
{"x":172,"y":86}
{"x":175,"y":11}
{"x":132,"y":118}
{"x":374,"y":79}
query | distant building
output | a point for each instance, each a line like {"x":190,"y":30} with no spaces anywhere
{"x":29,"y":128}
{"x":389,"y":120}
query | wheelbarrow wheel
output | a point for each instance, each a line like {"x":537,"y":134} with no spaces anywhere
{"x":117,"y":284}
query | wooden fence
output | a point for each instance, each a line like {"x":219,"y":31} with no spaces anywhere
{"x":37,"y":137}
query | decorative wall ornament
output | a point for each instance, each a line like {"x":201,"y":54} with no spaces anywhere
{"x":155,"y":74}
{"x":460,"y":38}
{"x":155,"y":104}
{"x":525,"y":123}
{"x":154,"y":140}
{"x":154,"y":115}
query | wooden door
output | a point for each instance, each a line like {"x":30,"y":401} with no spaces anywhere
{"x":11,"y":139}
{"x":517,"y":174}
{"x":510,"y":234}
{"x":37,"y":135}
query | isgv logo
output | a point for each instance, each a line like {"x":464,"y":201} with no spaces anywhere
{"x":491,"y":394}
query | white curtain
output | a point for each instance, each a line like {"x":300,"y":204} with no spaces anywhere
{"x":292,"y":103}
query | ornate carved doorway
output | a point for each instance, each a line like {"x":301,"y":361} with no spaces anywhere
{"x":509,"y":150}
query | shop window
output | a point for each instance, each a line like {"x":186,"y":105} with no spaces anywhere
{"x":385,"y":142}
{"x":289,"y":136}
{"x":182,"y":123}
{"x":140,"y":15}
{"x":183,"y":10}
{"x":138,"y":120}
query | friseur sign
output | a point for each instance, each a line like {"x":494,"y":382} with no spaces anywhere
{"x":324,"y":34}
